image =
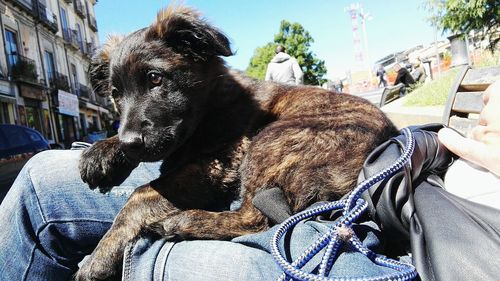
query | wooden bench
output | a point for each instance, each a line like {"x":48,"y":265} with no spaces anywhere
{"x":465,"y":99}
{"x":389,"y":94}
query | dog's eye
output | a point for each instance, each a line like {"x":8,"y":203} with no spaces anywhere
{"x":155,"y":78}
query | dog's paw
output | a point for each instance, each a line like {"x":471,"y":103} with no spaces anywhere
{"x":103,"y":165}
{"x":93,"y":270}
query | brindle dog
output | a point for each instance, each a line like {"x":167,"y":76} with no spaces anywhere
{"x":221,"y":136}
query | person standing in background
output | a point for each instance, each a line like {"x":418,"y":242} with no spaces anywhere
{"x":284,"y":68}
{"x":338,"y":85}
{"x":381,"y":76}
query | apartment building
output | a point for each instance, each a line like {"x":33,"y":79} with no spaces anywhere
{"x":44,"y":60}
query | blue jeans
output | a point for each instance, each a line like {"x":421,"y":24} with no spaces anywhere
{"x":50,"y":220}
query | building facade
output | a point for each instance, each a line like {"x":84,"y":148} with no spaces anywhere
{"x":44,"y":60}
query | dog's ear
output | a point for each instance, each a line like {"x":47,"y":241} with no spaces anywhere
{"x":186,"y":32}
{"x":99,"y":66}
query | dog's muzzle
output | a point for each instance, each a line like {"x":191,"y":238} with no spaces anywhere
{"x":132,"y":144}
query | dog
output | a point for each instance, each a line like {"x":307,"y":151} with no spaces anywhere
{"x":222,"y":136}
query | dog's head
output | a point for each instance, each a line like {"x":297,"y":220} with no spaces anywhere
{"x":159,"y":78}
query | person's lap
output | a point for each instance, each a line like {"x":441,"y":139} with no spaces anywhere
{"x":244,"y":258}
{"x":51,"y":220}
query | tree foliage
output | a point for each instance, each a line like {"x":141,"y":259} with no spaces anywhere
{"x":463,"y":16}
{"x":258,"y":63}
{"x":297,"y":42}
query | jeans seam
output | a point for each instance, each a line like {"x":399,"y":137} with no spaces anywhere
{"x":44,"y":222}
{"x":42,"y":228}
{"x":161,"y":261}
{"x":127,"y":262}
{"x":149,"y":169}
{"x":44,"y":219}
{"x":75,"y":220}
{"x":30,"y":263}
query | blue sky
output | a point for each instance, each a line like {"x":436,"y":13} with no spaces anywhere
{"x":396,"y":25}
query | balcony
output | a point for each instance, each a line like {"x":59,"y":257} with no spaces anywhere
{"x":24,"y":69}
{"x":102,"y":101}
{"x":92,"y":23}
{"x":47,"y":18}
{"x":25,"y":5}
{"x":70,"y":37}
{"x":84,"y":92}
{"x":59,"y":81}
{"x":89,"y":49}
{"x":79,"y":8}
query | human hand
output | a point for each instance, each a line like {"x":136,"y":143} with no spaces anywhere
{"x":482,"y":147}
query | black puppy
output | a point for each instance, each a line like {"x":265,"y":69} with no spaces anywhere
{"x":222,"y":136}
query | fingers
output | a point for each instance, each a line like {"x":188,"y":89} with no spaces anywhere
{"x":477,"y":133}
{"x":493,"y":89}
{"x":490,"y":114}
{"x":486,"y":134}
{"x":483,"y":145}
{"x":469,"y":149}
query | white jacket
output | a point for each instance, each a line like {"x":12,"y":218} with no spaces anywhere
{"x":284,"y":69}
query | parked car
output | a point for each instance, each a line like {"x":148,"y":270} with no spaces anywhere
{"x":17,"y":145}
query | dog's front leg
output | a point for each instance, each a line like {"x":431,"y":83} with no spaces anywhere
{"x":144,"y":207}
{"x":201,"y":224}
{"x":192,"y":187}
{"x":104,"y":165}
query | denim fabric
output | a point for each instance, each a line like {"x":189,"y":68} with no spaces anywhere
{"x":50,"y":219}
{"x":244,"y":258}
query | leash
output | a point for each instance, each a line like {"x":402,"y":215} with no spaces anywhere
{"x":341,"y":233}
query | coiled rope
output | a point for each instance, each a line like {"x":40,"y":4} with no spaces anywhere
{"x":341,"y":232}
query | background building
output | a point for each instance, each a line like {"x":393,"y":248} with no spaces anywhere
{"x":44,"y":60}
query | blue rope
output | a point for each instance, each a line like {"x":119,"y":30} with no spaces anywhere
{"x":341,"y":232}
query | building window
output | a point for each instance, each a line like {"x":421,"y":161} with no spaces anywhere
{"x":51,"y":72}
{"x":5,"y":113}
{"x":66,"y":31}
{"x":64,"y":19}
{"x":74,"y":75}
{"x":80,"y":37}
{"x":33,"y":115}
{"x":12,"y":50}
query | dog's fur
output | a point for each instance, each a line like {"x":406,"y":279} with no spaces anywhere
{"x":221,"y":135}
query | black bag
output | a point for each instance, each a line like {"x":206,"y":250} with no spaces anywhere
{"x":449,"y":238}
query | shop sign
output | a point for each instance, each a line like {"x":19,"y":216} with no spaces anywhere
{"x":68,"y":103}
{"x":31,"y":92}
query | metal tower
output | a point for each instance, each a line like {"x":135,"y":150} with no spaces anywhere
{"x":353,"y":10}
{"x":361,"y":57}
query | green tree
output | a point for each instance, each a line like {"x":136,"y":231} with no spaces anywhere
{"x":463,"y":16}
{"x":260,"y":59}
{"x":297,"y":42}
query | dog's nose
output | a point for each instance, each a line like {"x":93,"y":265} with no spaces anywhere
{"x":132,"y":144}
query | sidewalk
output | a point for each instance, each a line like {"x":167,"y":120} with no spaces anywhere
{"x":403,"y":116}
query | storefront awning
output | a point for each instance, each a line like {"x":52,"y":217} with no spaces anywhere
{"x":32,"y":91}
{"x":8,"y":99}
{"x":91,"y":106}
{"x":103,"y":110}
